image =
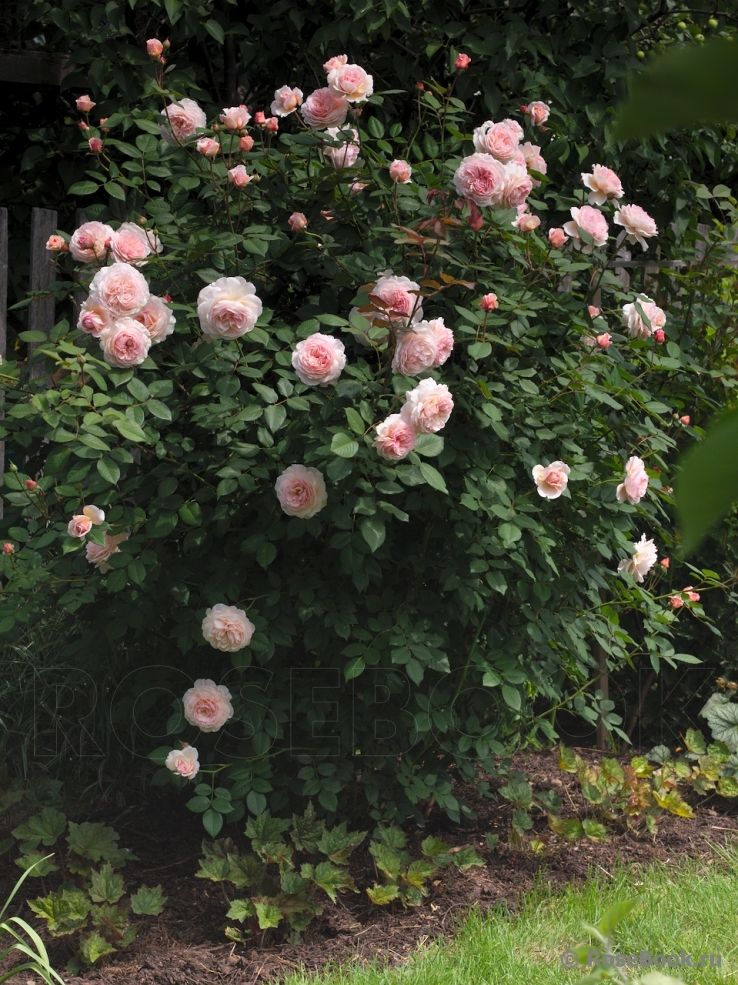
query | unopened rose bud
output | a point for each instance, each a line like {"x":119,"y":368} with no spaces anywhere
{"x":95,"y":145}
{"x":604,"y":340}
{"x":167,"y":298}
{"x":103,"y":119}
{"x":260,"y":118}
{"x":685,"y":419}
{"x":593,"y":312}
{"x":660,"y":335}
{"x":693,"y":596}
{"x":462,"y":62}
{"x":84,"y":104}
{"x":489,"y":302}
{"x":207,"y":146}
{"x":167,"y":43}
{"x":665,"y":562}
{"x":31,"y":484}
{"x":297,"y":222}
{"x":163,"y":60}
{"x":239,"y":176}
{"x":154,"y":48}
{"x":419,"y":85}
{"x":216,"y":127}
{"x":676,"y":602}
{"x":272,"y":124}
{"x":246,"y":143}
{"x":57,"y":244}
{"x":8,"y":548}
{"x":526,"y":222}
{"x":557,"y":237}
{"x":82,"y":125}
{"x":356,"y":187}
{"x":142,"y":220}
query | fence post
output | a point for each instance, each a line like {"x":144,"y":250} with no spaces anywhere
{"x":3,"y":323}
{"x":42,"y":311}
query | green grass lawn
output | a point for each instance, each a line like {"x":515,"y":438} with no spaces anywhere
{"x":693,"y":907}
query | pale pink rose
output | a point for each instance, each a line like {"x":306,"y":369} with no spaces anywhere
{"x":444,"y":340}
{"x":489,"y":302}
{"x":557,"y":237}
{"x":207,"y":705}
{"x":319,"y":359}
{"x":126,"y":343}
{"x":227,"y":628}
{"x":526,"y":222}
{"x":228,"y":308}
{"x":99,"y":554}
{"x":644,"y":557}
{"x":338,"y":61}
{"x":357,"y":187}
{"x":323,"y":109}
{"x":603,"y":184}
{"x":416,"y":350}
{"x":395,"y":438}
{"x":154,"y":48}
{"x":132,"y":244}
{"x":401,"y":305}
{"x":94,"y":514}
{"x":685,"y":419}
{"x":94,"y":318}
{"x":297,"y":222}
{"x":208,"y":147}
{"x":344,"y":156}
{"x":286,"y":101}
{"x":638,"y":224}
{"x":260,"y":118}
{"x":246,"y":143}
{"x":239,"y":176}
{"x":635,"y":325}
{"x":235,"y":117}
{"x":592,"y":221}
{"x":79,"y":526}
{"x":91,"y":241}
{"x":692,"y":596}
{"x":120,"y":288}
{"x":351,"y":82}
{"x":428,"y":407}
{"x":518,"y":186}
{"x":552,"y":479}
{"x":57,"y":244}
{"x":95,"y":145}
{"x":633,"y":488}
{"x":659,"y":335}
{"x":157,"y":319}
{"x":8,"y":548}
{"x":84,"y":104}
{"x":538,"y":112}
{"x":676,"y":601}
{"x":462,"y":62}
{"x":400,"y":172}
{"x":592,"y":311}
{"x":481,"y":178}
{"x":184,"y":762}
{"x":272,"y":124}
{"x":501,"y":140}
{"x":301,"y":491}
{"x":533,"y":160}
{"x":184,"y":117}
{"x":604,"y":340}
{"x":665,"y":562}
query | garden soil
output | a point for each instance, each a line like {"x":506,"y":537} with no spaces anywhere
{"x":186,"y":944}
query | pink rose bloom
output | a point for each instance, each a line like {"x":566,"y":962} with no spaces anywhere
{"x":94,"y":318}
{"x":685,"y":420}
{"x":235,"y":117}
{"x":416,"y":350}
{"x":633,"y":488}
{"x":692,"y":596}
{"x":552,"y":479}
{"x":592,"y":311}
{"x":603,"y":184}
{"x":120,"y":288}
{"x":228,"y":308}
{"x":400,"y":172}
{"x":297,"y":222}
{"x":344,"y":156}
{"x":81,"y":523}
{"x":481,"y":178}
{"x":91,"y":242}
{"x":227,"y":628}
{"x":401,"y":304}
{"x":272,"y":124}
{"x":239,"y":176}
{"x":498,"y":139}
{"x":207,"y":705}
{"x":489,"y":302}
{"x":286,"y":100}
{"x":518,"y":186}
{"x":351,"y":82}
{"x":644,"y":557}
{"x":557,"y":237}
{"x":676,"y":601}
{"x":338,"y":61}
{"x":184,"y":762}
{"x":357,"y":187}
{"x":323,"y":109}
{"x":154,"y":48}
{"x":126,"y":343}
{"x":665,"y":562}
{"x":526,"y":222}
{"x":208,"y":147}
{"x":57,"y":244}
{"x":533,"y":160}
{"x":319,"y":359}
{"x":462,"y":62}
{"x":395,"y":438}
{"x":99,"y":554}
{"x":592,"y":221}
{"x":246,"y":143}
{"x":185,"y":117}
{"x":659,"y":335}
{"x":95,"y":145}
{"x":157,"y":319}
{"x":132,"y":244}
{"x":538,"y":112}
{"x":8,"y":548}
{"x":444,"y":340}
{"x":635,"y":326}
{"x":604,"y":340}
{"x":301,"y":491}
{"x":428,"y":407}
{"x":84,"y":104}
{"x":260,"y":118}
{"x":638,"y":224}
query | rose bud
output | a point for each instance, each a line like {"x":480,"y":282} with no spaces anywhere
{"x":207,"y":146}
{"x":664,"y":562}
{"x":686,"y":419}
{"x":272,"y":124}
{"x":154,"y":48}
{"x":238,"y":176}
{"x":95,"y":145}
{"x":557,"y":237}
{"x":31,"y":484}
{"x":84,"y":104}
{"x":8,"y":548}
{"x":246,"y":143}
{"x":489,"y":302}
{"x":659,"y":335}
{"x":593,"y":312}
{"x":297,"y":222}
{"x":462,"y":62}
{"x":604,"y":340}
{"x":260,"y":118}
{"x":57,"y":244}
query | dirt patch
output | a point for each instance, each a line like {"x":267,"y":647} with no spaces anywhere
{"x":187,"y":944}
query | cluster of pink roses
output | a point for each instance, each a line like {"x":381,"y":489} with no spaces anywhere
{"x":206,"y":706}
{"x":98,"y":554}
{"x":426,"y":410}
{"x":634,"y":323}
{"x":686,"y":595}
{"x":346,"y":83}
{"x":496,"y":175}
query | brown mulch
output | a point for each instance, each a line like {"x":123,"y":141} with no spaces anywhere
{"x":187,"y":943}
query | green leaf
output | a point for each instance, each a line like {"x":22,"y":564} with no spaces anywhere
{"x":375,"y":127}
{"x":267,"y":914}
{"x":213,"y":868}
{"x":159,"y":409}
{"x":115,"y":190}
{"x":307,"y":830}
{"x":37,"y":862}
{"x":215,"y":30}
{"x":467,"y":858}
{"x":94,"y":947}
{"x":128,"y":429}
{"x":344,"y":445}
{"x":92,"y":841}
{"x":41,"y":829}
{"x":355,"y":421}
{"x":420,"y":871}
{"x":723,"y":722}
{"x":212,"y":821}
{"x":373,"y":531}
{"x":331,"y":879}
{"x":511,"y":696}
{"x":429,"y":445}
{"x":106,"y":886}
{"x":148,"y":902}
{"x":382,"y":895}
{"x":708,"y":481}
{"x":433,"y":477}
{"x":594,"y":830}
{"x":338,"y":843}
{"x":109,"y":470}
{"x":613,"y":916}
{"x":354,"y":668}
{"x":83,"y":188}
{"x":65,"y":913}
{"x":241,"y":909}
{"x":695,"y":741}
